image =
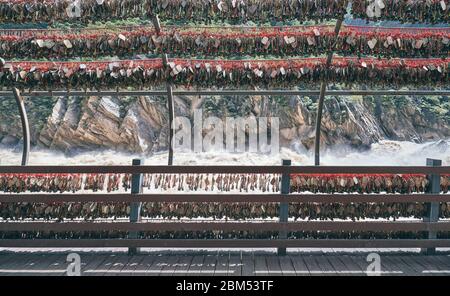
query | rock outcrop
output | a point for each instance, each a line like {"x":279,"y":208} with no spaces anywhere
{"x":139,"y":124}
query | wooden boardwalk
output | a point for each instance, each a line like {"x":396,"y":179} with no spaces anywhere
{"x":222,"y":264}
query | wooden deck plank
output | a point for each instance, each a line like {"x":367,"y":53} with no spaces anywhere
{"x":360,"y":262}
{"x":337,"y":265}
{"x":261,"y":265}
{"x":248,"y":265}
{"x":420,"y":265}
{"x":209,"y":265}
{"x":169,"y":266}
{"x":6,"y":257}
{"x":350,"y":265}
{"x":286,"y":266}
{"x":106,"y":265}
{"x":392,"y":267}
{"x":442,"y":264}
{"x":21,"y":265}
{"x":234,"y":265}
{"x":299,"y":265}
{"x":401,"y":265}
{"x":443,"y":259}
{"x":40,"y":264}
{"x":93,"y":263}
{"x":311,"y":263}
{"x":182,"y":266}
{"x":11,"y":261}
{"x":325,"y":266}
{"x":35,"y":262}
{"x":131,"y":265}
{"x":222,"y":264}
{"x":157,"y":265}
{"x":273,"y":265}
{"x":58,"y":264}
{"x":412,"y":264}
{"x":432,"y":264}
{"x":144,"y":265}
{"x":196,"y":265}
{"x":388,"y":267}
{"x":118,"y":265}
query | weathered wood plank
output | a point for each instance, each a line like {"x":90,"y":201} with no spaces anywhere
{"x":360,"y":261}
{"x":37,"y":266}
{"x":169,"y":265}
{"x":7,"y":257}
{"x":350,"y":265}
{"x":131,"y":265}
{"x":325,"y":266}
{"x":311,"y":263}
{"x":390,"y":267}
{"x":12,"y":261}
{"x":407,"y":260}
{"x":337,"y":265}
{"x":444,"y":260}
{"x":261,"y":265}
{"x":442,"y":265}
{"x":157,"y":265}
{"x":24,"y":265}
{"x":299,"y":265}
{"x":19,"y":265}
{"x":273,"y":265}
{"x":97,"y":261}
{"x":401,"y":265}
{"x":182,"y":265}
{"x":234,"y":265}
{"x":222,"y":264}
{"x":36,"y":263}
{"x":196,"y":265}
{"x":248,"y":265}
{"x":58,"y":264}
{"x":209,"y":265}
{"x":431,"y":265}
{"x":105,"y":266}
{"x":422,"y":265}
{"x":287,"y":269}
{"x":118,"y":265}
{"x":143,"y":266}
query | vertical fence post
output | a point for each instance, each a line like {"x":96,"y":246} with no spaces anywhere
{"x":25,"y":126}
{"x":432,"y":208}
{"x":135,"y":212}
{"x":284,"y":206}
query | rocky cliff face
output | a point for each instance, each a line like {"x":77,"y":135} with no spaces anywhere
{"x":140,"y":124}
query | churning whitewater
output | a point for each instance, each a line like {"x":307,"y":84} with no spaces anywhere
{"x":381,"y":153}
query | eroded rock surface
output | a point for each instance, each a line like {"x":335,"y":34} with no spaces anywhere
{"x":140,"y":124}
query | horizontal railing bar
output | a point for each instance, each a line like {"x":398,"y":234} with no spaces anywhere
{"x":224,"y":243}
{"x":226,"y":226}
{"x":177,"y":169}
{"x":231,"y":93}
{"x":292,"y":198}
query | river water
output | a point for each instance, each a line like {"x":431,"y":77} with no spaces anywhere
{"x":382,"y":153}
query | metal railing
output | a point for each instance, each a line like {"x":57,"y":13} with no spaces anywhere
{"x":431,"y":198}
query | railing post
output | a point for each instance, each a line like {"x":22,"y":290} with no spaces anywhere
{"x":284,"y":206}
{"x":432,"y":208}
{"x":135,"y":212}
{"x":25,"y":126}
